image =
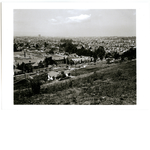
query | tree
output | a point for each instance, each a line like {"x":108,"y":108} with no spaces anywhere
{"x":130,"y":54}
{"x":64,"y":60}
{"x":27,"y":44}
{"x":71,"y":62}
{"x":63,"y":74}
{"x":28,"y":68}
{"x":100,"y":52}
{"x":45,"y":44}
{"x":51,"y":52}
{"x":95,"y":57}
{"x":22,"y":67}
{"x":21,"y":44}
{"x":69,"y":47}
{"x":108,"y":55}
{"x":67,"y":61}
{"x":37,"y":46}
{"x":46,"y":62}
{"x":116,"y":55}
{"x":15,"y":47}
{"x":40,"y":64}
{"x":35,"y":84}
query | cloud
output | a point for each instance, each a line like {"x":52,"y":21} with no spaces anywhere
{"x":74,"y":19}
{"x":53,"y":20}
{"x":79,"y":18}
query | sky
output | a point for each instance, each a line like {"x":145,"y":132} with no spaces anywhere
{"x":74,"y":22}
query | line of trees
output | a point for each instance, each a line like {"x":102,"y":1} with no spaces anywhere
{"x":129,"y":54}
{"x":49,"y":61}
{"x":24,"y":67}
{"x":71,"y":48}
{"x":98,"y":53}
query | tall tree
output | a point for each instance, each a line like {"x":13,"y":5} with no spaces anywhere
{"x":64,"y":60}
{"x":45,"y":44}
{"x":100,"y":52}
{"x":67,"y":61}
{"x":116,"y":55}
{"x":37,"y":46}
{"x":108,"y":55}
{"x":95,"y":56}
{"x":15,"y":47}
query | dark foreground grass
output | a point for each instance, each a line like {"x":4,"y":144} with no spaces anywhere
{"x":112,"y":85}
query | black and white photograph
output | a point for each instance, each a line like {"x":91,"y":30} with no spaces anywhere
{"x":74,"y":56}
{"x":74,"y":75}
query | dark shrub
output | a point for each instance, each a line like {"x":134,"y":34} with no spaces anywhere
{"x":63,"y":74}
{"x":130,"y":54}
{"x":35,"y":85}
{"x":116,"y":55}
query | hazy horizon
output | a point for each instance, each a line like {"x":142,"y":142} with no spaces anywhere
{"x":68,"y":36}
{"x":75,"y":22}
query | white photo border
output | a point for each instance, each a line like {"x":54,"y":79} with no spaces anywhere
{"x":142,"y":32}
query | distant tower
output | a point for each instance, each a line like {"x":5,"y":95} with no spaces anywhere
{"x":39,"y":36}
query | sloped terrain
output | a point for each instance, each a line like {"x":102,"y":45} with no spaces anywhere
{"x":101,"y":84}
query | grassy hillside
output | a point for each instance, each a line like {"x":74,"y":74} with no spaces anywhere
{"x":101,"y":84}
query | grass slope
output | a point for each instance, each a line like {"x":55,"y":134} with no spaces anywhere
{"x":101,"y":84}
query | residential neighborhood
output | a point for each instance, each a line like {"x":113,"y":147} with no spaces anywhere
{"x":40,"y":54}
{"x":74,"y":56}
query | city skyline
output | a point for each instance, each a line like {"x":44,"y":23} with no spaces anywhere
{"x":75,"y":22}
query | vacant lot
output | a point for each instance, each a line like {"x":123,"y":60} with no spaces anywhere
{"x":100,"y":84}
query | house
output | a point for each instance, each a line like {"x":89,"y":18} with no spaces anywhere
{"x":59,"y":61}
